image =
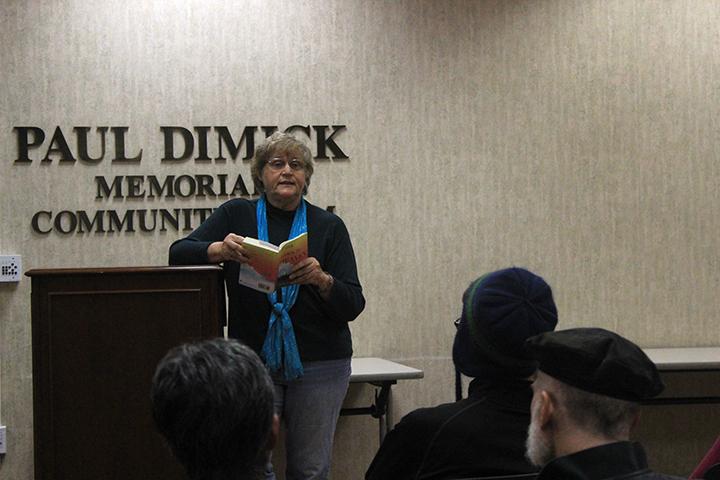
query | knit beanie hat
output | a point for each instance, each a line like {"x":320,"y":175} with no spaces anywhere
{"x":500,"y":311}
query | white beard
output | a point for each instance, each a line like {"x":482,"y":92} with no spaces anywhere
{"x":537,"y":449}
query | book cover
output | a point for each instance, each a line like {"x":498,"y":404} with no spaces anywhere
{"x":270,"y":265}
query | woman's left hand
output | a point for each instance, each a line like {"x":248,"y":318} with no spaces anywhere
{"x":309,"y":272}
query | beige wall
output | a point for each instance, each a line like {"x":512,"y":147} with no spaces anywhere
{"x":578,"y":139}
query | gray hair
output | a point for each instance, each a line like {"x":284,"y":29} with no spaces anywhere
{"x":597,"y":414}
{"x":277,"y":143}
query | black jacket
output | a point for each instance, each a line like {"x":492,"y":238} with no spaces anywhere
{"x":620,"y":460}
{"x":481,"y":435}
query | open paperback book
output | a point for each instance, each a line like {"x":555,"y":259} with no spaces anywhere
{"x":270,"y":265}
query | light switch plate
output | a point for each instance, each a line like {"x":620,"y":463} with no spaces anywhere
{"x":10,"y":268}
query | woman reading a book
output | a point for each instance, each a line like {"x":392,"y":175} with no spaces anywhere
{"x":300,"y":330}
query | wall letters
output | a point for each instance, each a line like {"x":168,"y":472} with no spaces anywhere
{"x":118,"y":145}
{"x":179,"y":143}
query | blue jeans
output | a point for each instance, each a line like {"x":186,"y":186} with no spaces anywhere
{"x":309,"y":407}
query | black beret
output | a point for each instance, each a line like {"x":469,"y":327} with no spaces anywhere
{"x":597,"y":361}
{"x":500,"y":311}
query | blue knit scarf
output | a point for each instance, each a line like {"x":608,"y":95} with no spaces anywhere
{"x":280,"y":350}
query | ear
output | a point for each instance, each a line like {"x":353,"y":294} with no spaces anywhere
{"x":547,"y":408}
{"x":274,"y":433}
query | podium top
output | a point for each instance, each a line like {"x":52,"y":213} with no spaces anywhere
{"x":41,"y":272}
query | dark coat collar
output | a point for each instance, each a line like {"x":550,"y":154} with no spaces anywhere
{"x":609,"y":461}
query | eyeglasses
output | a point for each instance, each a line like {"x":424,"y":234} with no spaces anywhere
{"x":278,"y":164}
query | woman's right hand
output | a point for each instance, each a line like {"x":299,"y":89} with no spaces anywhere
{"x":229,"y":249}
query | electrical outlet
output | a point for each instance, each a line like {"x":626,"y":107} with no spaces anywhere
{"x":3,"y":440}
{"x":10,"y":268}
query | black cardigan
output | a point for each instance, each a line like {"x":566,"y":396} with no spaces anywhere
{"x":321,"y":326}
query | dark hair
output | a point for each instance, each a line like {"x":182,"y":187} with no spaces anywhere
{"x":213,"y":403}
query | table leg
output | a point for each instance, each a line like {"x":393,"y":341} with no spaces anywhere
{"x":380,"y":409}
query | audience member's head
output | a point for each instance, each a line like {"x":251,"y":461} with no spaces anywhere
{"x":213,"y":403}
{"x":500,"y":311}
{"x":587,"y":391}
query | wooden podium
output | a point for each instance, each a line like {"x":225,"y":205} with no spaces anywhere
{"x":97,"y":336}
